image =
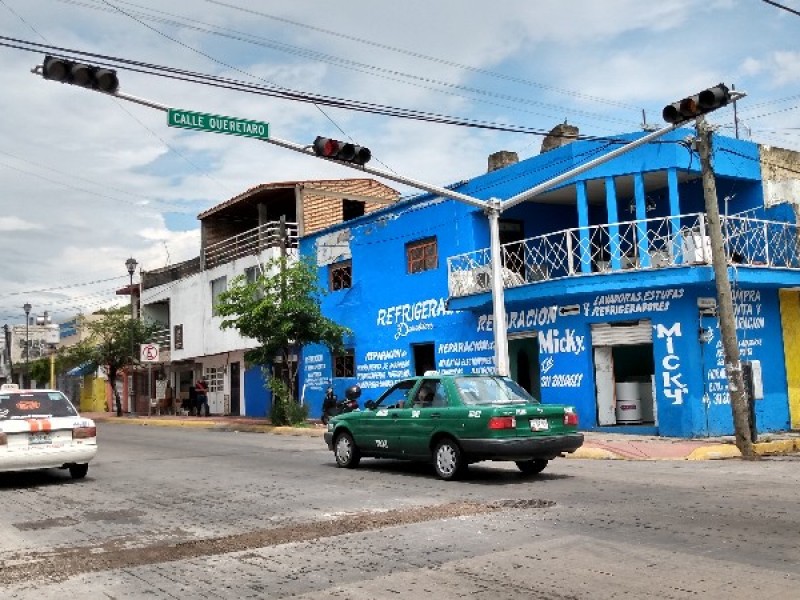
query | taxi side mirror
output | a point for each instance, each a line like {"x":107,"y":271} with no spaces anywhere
{"x":370,"y":404}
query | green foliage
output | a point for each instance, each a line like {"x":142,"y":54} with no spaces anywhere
{"x":279,"y":310}
{"x":285,"y":409}
{"x":39,"y":370}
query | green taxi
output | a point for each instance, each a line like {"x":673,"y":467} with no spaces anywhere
{"x":455,"y":420}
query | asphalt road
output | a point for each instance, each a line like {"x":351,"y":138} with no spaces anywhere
{"x":182,"y":513}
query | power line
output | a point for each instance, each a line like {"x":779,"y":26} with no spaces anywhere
{"x":389,"y":74}
{"x":426,"y":57}
{"x":782,"y":7}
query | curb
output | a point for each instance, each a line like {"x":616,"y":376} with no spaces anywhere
{"x":594,"y":453}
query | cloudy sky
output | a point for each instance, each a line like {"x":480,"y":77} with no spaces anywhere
{"x":87,"y":180}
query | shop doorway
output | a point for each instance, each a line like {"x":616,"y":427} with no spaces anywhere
{"x":624,"y":373}
{"x":424,"y":358}
{"x":523,"y":362}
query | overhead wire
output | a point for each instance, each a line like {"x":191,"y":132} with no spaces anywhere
{"x":390,"y":74}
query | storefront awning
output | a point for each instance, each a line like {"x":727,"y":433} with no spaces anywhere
{"x":81,"y":370}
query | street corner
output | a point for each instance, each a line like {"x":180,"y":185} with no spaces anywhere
{"x":590,"y":452}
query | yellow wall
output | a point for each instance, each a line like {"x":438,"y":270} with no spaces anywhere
{"x":93,"y":394}
{"x":790,"y":319}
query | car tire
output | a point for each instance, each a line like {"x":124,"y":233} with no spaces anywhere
{"x":448,"y":460}
{"x":532,"y":467}
{"x":346,"y":452}
{"x":78,"y":471}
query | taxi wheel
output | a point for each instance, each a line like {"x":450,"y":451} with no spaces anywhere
{"x":448,"y":460}
{"x":78,"y":471}
{"x":346,"y":452}
{"x":532,"y":467}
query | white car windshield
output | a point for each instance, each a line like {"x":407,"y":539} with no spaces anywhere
{"x":491,"y":390}
{"x":27,"y":405}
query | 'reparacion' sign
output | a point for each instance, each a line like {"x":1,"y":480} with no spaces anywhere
{"x":185,"y":119}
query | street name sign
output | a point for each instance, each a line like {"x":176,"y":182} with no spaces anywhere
{"x":186,"y":119}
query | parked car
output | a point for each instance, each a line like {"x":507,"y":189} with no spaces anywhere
{"x":454,"y":421}
{"x":40,"y":429}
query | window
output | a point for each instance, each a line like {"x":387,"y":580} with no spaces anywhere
{"x":422,"y":255}
{"x":340,"y":275}
{"x":251,"y":274}
{"x":215,"y":378}
{"x":352,"y":209}
{"x":344,"y":365}
{"x":218,"y":286}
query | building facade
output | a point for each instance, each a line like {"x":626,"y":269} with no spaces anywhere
{"x":238,"y":237}
{"x":609,"y":289}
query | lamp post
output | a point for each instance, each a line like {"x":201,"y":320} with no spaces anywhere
{"x":130,"y":264}
{"x":27,"y":308}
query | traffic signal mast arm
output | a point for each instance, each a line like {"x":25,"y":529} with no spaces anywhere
{"x":355,"y":157}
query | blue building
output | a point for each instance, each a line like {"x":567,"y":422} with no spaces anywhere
{"x":609,"y":290}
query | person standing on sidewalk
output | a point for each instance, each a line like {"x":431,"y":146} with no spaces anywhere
{"x":201,"y":392}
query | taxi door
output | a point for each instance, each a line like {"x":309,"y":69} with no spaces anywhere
{"x":380,"y":430}
{"x":425,"y":415}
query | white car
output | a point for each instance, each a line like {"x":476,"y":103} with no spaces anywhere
{"x":40,"y":429}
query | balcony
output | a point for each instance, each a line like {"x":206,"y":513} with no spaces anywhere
{"x":630,"y":246}
{"x":253,"y":241}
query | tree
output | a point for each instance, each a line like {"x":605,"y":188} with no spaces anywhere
{"x":113,"y":343}
{"x":281,"y":310}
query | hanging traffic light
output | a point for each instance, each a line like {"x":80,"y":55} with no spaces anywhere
{"x":699,"y":104}
{"x":76,"y":73}
{"x":344,"y":151}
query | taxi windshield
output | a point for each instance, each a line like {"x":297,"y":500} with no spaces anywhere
{"x":491,"y":390}
{"x":27,"y":405}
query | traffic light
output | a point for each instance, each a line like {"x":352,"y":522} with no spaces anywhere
{"x":76,"y":73}
{"x":344,"y":151}
{"x":699,"y":104}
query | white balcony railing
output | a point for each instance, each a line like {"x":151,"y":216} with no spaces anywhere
{"x":253,"y":241}
{"x":674,"y":241}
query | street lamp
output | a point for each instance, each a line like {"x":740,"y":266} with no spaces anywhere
{"x":130,"y":264}
{"x":27,"y":308}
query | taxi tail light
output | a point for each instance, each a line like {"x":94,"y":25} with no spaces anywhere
{"x":502,"y":423}
{"x":82,"y":433}
{"x":3,"y":439}
{"x":570,"y":418}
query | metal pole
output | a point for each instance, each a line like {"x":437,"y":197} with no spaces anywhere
{"x":27,"y":309}
{"x":727,"y":323}
{"x":498,"y":292}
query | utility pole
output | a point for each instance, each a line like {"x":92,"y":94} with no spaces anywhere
{"x":727,"y":322}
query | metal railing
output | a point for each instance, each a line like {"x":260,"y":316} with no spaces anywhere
{"x":162,"y":338}
{"x":673,"y":241}
{"x":253,"y":241}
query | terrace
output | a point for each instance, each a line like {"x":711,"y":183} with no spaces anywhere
{"x":630,"y":247}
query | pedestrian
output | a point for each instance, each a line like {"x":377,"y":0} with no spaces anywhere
{"x":201,"y":390}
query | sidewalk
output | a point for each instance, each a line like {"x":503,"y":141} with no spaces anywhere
{"x":597,"y":445}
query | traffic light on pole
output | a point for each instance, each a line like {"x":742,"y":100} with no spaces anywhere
{"x":344,"y":151}
{"x":699,"y":104}
{"x":76,"y":73}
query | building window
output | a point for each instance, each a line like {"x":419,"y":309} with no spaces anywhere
{"x":218,"y":286}
{"x":340,"y":275}
{"x":344,"y":365}
{"x":352,"y":209}
{"x":250,"y":274}
{"x":215,"y":378}
{"x":422,"y":255}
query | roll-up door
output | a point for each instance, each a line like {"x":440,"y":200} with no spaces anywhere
{"x":622,"y":334}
